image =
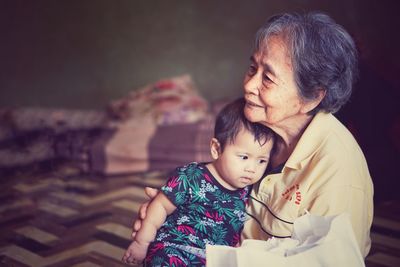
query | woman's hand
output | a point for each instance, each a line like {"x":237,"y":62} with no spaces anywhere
{"x":137,"y":224}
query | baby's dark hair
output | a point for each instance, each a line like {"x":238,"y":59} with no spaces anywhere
{"x":230,"y":121}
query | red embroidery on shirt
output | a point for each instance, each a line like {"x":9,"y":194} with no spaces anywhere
{"x":293,"y":193}
{"x":298,"y":198}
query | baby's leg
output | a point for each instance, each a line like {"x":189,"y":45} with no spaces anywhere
{"x":135,"y":253}
{"x":157,"y":256}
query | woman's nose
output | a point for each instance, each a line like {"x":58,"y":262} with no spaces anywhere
{"x":252,"y":84}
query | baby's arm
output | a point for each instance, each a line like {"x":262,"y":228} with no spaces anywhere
{"x":158,"y":210}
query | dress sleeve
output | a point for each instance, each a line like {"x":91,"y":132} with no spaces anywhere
{"x":175,"y":190}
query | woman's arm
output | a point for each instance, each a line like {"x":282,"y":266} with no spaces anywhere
{"x":137,"y":224}
{"x":355,"y":202}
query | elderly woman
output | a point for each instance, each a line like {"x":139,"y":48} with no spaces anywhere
{"x":301,"y":72}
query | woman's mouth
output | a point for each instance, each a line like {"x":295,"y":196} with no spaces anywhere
{"x":252,"y":104}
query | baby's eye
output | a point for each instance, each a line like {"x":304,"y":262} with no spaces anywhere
{"x":263,"y":161}
{"x":244,"y":157}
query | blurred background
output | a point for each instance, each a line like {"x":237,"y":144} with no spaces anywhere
{"x":83,"y":54}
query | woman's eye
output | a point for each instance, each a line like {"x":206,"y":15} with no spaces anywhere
{"x":267,"y":82}
{"x":252,"y":70}
{"x":266,"y":78}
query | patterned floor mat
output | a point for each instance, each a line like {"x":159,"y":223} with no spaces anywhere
{"x":62,"y":218}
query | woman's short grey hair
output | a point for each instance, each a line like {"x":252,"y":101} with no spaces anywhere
{"x":323,"y":54}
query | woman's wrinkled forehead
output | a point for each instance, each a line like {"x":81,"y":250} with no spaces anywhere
{"x":278,"y":40}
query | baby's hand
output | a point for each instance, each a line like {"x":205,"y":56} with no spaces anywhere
{"x":135,"y":253}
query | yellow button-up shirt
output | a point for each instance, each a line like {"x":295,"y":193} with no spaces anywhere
{"x":326,"y":174}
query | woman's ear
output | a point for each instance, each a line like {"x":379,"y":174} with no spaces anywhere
{"x":215,"y":148}
{"x":310,"y":105}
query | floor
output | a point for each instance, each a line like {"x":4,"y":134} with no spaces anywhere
{"x":63,"y":218}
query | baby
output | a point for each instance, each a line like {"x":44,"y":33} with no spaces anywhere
{"x":204,"y":203}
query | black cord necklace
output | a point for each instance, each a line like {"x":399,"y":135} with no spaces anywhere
{"x":259,"y":223}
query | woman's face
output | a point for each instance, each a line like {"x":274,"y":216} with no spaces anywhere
{"x":270,"y":90}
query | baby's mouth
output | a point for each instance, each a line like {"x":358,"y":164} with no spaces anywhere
{"x":248,"y":179}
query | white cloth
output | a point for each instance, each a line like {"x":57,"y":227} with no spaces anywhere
{"x":316,"y":241}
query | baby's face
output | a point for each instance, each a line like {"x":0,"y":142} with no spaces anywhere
{"x":244,"y":161}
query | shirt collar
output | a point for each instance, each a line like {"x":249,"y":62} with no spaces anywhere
{"x":311,"y":139}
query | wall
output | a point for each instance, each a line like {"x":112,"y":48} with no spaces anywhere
{"x":82,"y":54}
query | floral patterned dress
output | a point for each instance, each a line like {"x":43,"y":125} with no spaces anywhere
{"x":207,"y":213}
